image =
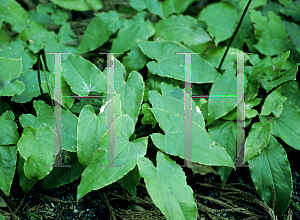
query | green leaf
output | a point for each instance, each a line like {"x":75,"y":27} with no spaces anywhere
{"x":175,"y":6}
{"x":153,"y":6}
{"x":1,"y":217}
{"x":16,"y":50}
{"x":8,"y":160}
{"x":254,"y":3}
{"x":292,"y":10}
{"x":291,"y":90}
{"x":148,"y":116}
{"x":15,"y":15}
{"x":78,"y":106}
{"x":126,"y":154}
{"x":130,"y":181}
{"x":169,"y":64}
{"x":136,"y":28}
{"x":257,"y":140}
{"x":221,"y":20}
{"x":60,"y":176}
{"x":10,"y":86}
{"x":99,"y":29}
{"x":168,"y":109}
{"x":271,"y":35}
{"x":45,"y":115}
{"x":224,"y":133}
{"x":222,"y":98}
{"x":1,"y":19}
{"x":4,"y":106}
{"x":65,"y":91}
{"x":30,"y":80}
{"x":181,"y":28}
{"x":25,"y":183}
{"x":58,"y":42}
{"x":273,"y":104}
{"x":131,"y":90}
{"x":83,"y":76}
{"x":135,"y":60}
{"x":268,"y":71}
{"x":37,"y":148}
{"x":91,"y":128}
{"x":293,"y":31}
{"x":3,"y":3}
{"x":34,"y":33}
{"x":59,"y":16}
{"x":79,"y":5}
{"x":167,"y":187}
{"x":287,"y":126}
{"x":249,"y":104}
{"x":8,"y":129}
{"x":269,"y":168}
{"x":214,"y":57}
{"x":10,"y":118}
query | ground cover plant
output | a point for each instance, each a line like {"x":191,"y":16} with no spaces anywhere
{"x":148,"y":96}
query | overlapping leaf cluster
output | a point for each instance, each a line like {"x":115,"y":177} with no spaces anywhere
{"x":156,"y":95}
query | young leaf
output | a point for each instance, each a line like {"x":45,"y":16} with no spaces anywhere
{"x":83,"y":76}
{"x":168,"y":109}
{"x":135,"y":60}
{"x":131,"y":90}
{"x":167,"y":187}
{"x":222,"y":98}
{"x":91,"y":128}
{"x":169,"y":64}
{"x":99,"y":29}
{"x":136,"y":28}
{"x":154,"y":6}
{"x":45,"y":115}
{"x":287,"y":126}
{"x":181,"y":28}
{"x":273,"y":104}
{"x":97,"y":175}
{"x":257,"y":140}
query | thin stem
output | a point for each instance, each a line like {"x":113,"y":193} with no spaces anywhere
{"x":39,"y":76}
{"x":22,"y":104}
{"x":111,"y":5}
{"x":233,"y":36}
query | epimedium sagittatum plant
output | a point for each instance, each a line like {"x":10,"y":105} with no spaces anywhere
{"x":149,"y":80}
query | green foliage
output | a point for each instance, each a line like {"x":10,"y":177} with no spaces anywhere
{"x":150,"y":34}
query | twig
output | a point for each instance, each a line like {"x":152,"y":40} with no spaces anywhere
{"x":21,"y":104}
{"x":233,"y":36}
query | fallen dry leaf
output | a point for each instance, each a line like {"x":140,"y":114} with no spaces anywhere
{"x":203,"y":169}
{"x":2,"y":202}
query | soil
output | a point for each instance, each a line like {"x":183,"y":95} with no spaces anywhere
{"x":237,"y":200}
